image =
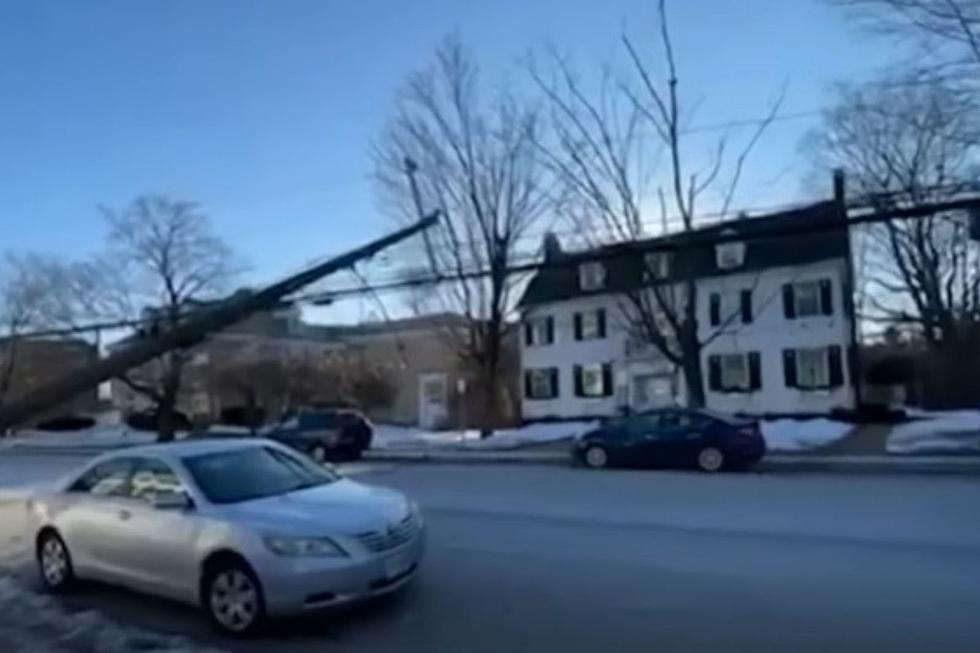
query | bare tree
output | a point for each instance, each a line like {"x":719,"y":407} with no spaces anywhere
{"x":604,"y":151}
{"x":165,"y":255}
{"x":475,"y":162}
{"x":22,"y":292}
{"x":910,"y":145}
{"x":948,"y":30}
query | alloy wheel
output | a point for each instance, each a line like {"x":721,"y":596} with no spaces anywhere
{"x":54,"y":562}
{"x":596,"y":457}
{"x":711,"y":459}
{"x":234,"y":600}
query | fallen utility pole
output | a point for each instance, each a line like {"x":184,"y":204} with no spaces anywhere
{"x":190,"y":332}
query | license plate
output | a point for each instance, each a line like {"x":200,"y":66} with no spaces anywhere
{"x":397,"y":565}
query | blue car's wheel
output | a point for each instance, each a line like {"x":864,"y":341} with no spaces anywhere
{"x":595,"y":456}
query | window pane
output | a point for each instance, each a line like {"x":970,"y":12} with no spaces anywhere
{"x":153,"y":478}
{"x":811,"y":368}
{"x":807,"y":298}
{"x":734,"y":371}
{"x":541,"y":387}
{"x":590,"y":325}
{"x":592,"y":380}
{"x":108,"y":479}
{"x":591,"y":276}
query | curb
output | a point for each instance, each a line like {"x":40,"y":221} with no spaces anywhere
{"x":774,"y":463}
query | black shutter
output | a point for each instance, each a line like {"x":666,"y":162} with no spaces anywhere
{"x":551,"y":329}
{"x":835,"y":368}
{"x":601,"y":318}
{"x":789,"y":305}
{"x":578,"y":326}
{"x":554,"y":382}
{"x":826,"y":297}
{"x":577,"y":373}
{"x":528,"y":334}
{"x":714,"y":309}
{"x":755,"y":371}
{"x":746,"y":307}
{"x":527,"y":384}
{"x":714,"y":373}
{"x":789,"y":367}
{"x":607,"y":379}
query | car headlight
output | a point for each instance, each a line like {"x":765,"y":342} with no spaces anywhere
{"x":321,"y":547}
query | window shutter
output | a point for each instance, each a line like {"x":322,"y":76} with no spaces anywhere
{"x":714,"y":307}
{"x":527,"y":384}
{"x":755,"y":371}
{"x":554,"y":382}
{"x":746,"y":307}
{"x":789,"y":306}
{"x":601,"y":318}
{"x":607,"y":379}
{"x":578,"y":326}
{"x":528,"y":334}
{"x":551,"y":329}
{"x":835,"y":368}
{"x":789,"y":367}
{"x":577,"y":373}
{"x":714,"y":373}
{"x":826,"y":297}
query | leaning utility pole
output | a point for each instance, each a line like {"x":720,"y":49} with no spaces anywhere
{"x":190,"y":332}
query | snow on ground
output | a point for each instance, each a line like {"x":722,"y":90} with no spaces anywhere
{"x":946,"y":432}
{"x":387,"y":436}
{"x":802,"y":435}
{"x":34,"y":623}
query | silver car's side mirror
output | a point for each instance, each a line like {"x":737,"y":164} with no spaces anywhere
{"x":171,"y":501}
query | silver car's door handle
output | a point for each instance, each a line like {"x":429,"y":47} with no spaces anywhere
{"x":125,"y":514}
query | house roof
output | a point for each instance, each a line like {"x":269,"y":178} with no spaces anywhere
{"x":807,"y":241}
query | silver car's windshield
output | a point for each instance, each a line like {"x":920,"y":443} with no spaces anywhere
{"x":253,"y":473}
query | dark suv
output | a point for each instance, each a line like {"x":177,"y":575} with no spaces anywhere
{"x":325,"y":434}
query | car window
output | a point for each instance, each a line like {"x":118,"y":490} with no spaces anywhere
{"x":108,"y":479}
{"x":254,"y":472}
{"x":675,"y":419}
{"x":644,"y":425}
{"x":152,"y":478}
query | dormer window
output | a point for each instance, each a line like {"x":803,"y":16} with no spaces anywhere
{"x":656,"y":265}
{"x":729,"y":255}
{"x":591,"y":276}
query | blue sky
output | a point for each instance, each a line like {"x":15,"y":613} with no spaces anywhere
{"x":264,"y":111}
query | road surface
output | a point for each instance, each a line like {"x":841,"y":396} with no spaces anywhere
{"x":548,"y":558}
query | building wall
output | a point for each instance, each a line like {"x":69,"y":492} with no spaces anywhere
{"x":769,"y":334}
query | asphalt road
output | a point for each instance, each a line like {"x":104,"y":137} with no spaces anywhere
{"x":526,"y":558}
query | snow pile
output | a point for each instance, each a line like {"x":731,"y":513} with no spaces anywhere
{"x":943,"y":432}
{"x":401,"y":437}
{"x":802,"y":435}
{"x":31,"y":622}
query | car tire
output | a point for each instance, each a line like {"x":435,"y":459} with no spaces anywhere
{"x":319,"y":454}
{"x":711,"y":460}
{"x":233,"y":599}
{"x":595,"y":457}
{"x":54,"y":562}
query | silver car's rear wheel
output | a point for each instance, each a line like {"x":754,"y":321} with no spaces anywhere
{"x":234,"y":600}
{"x":54,"y":562}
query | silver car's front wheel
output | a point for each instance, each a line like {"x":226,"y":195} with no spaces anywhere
{"x":54,"y":562}
{"x":234,"y":600}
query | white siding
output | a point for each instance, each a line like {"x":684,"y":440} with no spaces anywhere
{"x":771,"y":332}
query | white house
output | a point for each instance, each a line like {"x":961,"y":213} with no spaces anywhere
{"x":774,"y":315}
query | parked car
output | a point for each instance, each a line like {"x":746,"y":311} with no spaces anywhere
{"x":245,"y":529}
{"x":325,"y":434}
{"x":673,"y":437}
{"x":149,"y":420}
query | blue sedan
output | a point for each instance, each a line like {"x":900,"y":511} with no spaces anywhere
{"x":673,"y":437}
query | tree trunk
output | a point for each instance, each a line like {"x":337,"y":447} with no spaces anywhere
{"x":166,"y":424}
{"x":694,"y":381}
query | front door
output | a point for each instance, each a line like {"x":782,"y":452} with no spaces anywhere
{"x":433,"y":400}
{"x":155,"y":547}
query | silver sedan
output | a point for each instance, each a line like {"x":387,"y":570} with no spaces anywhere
{"x":246,"y":529}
